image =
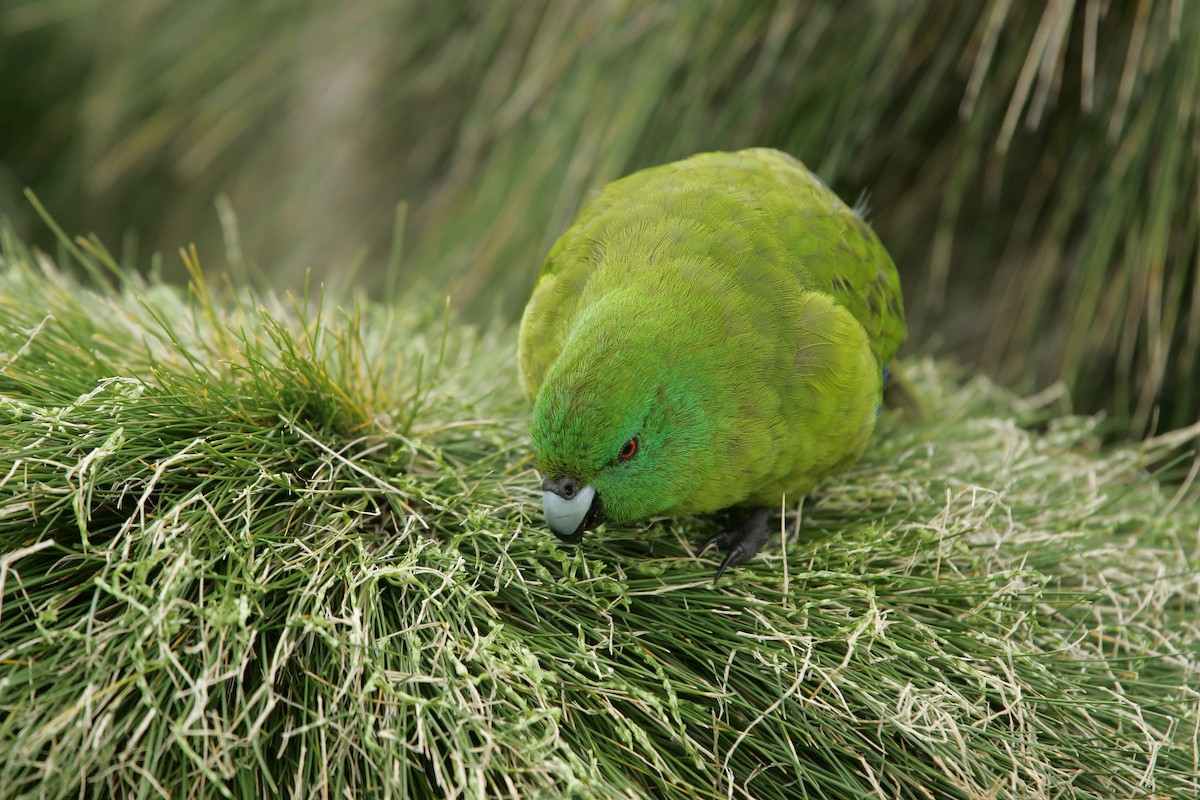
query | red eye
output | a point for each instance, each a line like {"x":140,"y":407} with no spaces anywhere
{"x":629,"y":449}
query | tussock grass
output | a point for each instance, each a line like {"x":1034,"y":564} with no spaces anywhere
{"x":253,"y":546}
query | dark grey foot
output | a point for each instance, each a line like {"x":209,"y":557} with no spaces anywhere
{"x":741,"y":539}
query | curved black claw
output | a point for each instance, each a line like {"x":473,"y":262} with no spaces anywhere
{"x":741,"y":541}
{"x":722,"y":539}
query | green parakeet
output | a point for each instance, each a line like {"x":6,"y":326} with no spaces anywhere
{"x":707,"y":334}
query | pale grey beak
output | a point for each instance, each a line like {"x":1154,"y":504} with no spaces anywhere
{"x":567,"y":506}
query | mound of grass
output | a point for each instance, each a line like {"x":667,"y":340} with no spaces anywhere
{"x":256,"y":547}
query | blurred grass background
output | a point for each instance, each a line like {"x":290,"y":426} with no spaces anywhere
{"x":1034,"y":167}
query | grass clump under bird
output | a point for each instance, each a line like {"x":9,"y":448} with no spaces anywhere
{"x":253,"y":546}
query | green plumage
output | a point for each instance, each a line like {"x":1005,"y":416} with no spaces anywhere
{"x":730,"y":317}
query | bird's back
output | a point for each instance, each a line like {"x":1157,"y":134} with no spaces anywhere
{"x":757,"y":218}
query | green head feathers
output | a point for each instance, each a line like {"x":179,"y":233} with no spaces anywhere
{"x":634,"y":428}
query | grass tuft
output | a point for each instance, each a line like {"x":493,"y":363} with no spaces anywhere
{"x":258,"y":546}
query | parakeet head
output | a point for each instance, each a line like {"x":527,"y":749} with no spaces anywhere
{"x":619,"y":427}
